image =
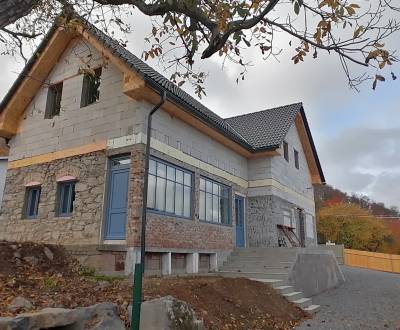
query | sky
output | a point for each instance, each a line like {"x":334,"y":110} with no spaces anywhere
{"x":357,"y":134}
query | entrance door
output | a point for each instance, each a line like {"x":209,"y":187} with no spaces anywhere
{"x":302,"y":229}
{"x":239,"y":216}
{"x":117,"y":198}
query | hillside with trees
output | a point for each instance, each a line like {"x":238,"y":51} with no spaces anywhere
{"x":356,"y":221}
{"x":326,"y":195}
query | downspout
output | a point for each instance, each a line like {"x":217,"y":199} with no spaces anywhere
{"x":139,"y":268}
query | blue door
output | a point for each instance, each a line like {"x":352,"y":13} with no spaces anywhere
{"x":239,"y":216}
{"x":117,"y":199}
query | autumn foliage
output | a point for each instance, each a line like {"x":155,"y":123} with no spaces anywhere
{"x":356,"y":228}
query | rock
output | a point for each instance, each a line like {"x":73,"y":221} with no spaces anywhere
{"x":17,"y":255}
{"x":48,"y":253}
{"x":167,"y":313}
{"x":101,"y":285}
{"x":103,"y":317}
{"x":98,"y":317}
{"x":19,"y":303}
{"x":31,"y":260}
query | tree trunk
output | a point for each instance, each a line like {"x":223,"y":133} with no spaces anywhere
{"x":12,"y":10}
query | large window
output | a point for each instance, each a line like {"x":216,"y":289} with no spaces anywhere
{"x":32,"y":197}
{"x":53,"y":103}
{"x":66,"y":198}
{"x":91,"y":88}
{"x":214,"y":203}
{"x":170,"y":189}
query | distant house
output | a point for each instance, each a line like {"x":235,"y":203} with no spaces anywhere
{"x":75,"y":172}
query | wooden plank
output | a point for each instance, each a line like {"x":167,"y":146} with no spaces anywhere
{"x":45,"y":158}
{"x":305,"y":143}
{"x":10,"y":117}
{"x":372,"y":260}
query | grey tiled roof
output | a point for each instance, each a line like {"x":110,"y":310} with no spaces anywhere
{"x":254,"y":131}
{"x":155,"y":78}
{"x":265,"y":129}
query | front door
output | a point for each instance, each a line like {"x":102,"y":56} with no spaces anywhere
{"x":117,"y":198}
{"x":239,"y":217}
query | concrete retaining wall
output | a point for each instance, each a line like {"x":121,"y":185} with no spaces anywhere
{"x":338,"y":250}
{"x":315,"y":271}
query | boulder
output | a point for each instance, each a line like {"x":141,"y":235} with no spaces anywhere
{"x":18,"y":304}
{"x":31,"y":260}
{"x":168,"y":313}
{"x":102,"y":316}
{"x":48,"y":253}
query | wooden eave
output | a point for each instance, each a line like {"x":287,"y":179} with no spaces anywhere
{"x":11,"y":114}
{"x":308,"y":150}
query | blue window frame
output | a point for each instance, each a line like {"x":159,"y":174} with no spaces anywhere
{"x":32,"y":198}
{"x":169,"y":189}
{"x":214,"y":202}
{"x":66,"y":198}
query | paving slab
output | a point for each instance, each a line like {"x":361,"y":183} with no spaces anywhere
{"x":367,"y":300}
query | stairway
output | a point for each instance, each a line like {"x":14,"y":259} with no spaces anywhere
{"x":267,"y":265}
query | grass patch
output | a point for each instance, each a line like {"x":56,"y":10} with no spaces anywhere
{"x":91,"y":273}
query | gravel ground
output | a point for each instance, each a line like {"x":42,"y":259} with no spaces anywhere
{"x":367,"y":300}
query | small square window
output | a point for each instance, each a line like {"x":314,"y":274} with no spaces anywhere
{"x":296,"y":159}
{"x":286,"y":150}
{"x":32,"y":198}
{"x":53,"y":104}
{"x":91,"y":88}
{"x":66,"y":198}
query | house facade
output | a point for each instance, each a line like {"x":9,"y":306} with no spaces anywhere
{"x":76,"y":122}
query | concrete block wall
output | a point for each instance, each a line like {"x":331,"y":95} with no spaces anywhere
{"x":112,"y":116}
{"x":286,"y":172}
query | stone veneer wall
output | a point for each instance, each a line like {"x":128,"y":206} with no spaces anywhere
{"x":83,"y":227}
{"x":264,"y":213}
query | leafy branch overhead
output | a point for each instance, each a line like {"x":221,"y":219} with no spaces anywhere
{"x":186,"y":31}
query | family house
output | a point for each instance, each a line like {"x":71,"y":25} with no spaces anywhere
{"x":75,"y":123}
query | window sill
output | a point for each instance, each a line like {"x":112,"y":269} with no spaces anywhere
{"x":169,"y":215}
{"x":62,"y":217}
{"x":228,"y":225}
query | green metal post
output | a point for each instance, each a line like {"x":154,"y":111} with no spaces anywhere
{"x":137,"y":297}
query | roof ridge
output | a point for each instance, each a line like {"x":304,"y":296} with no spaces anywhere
{"x":259,"y":111}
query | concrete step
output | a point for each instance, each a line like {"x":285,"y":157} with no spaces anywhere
{"x":260,"y":260}
{"x":269,"y":275}
{"x":254,"y":268}
{"x":275,"y":283}
{"x":293,"y":296}
{"x":265,"y":251}
{"x":282,"y":289}
{"x":312,"y":309}
{"x":264,"y":262}
{"x":303,"y":302}
{"x":265,"y":255}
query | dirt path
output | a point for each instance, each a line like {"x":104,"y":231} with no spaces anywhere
{"x":367,"y":300}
